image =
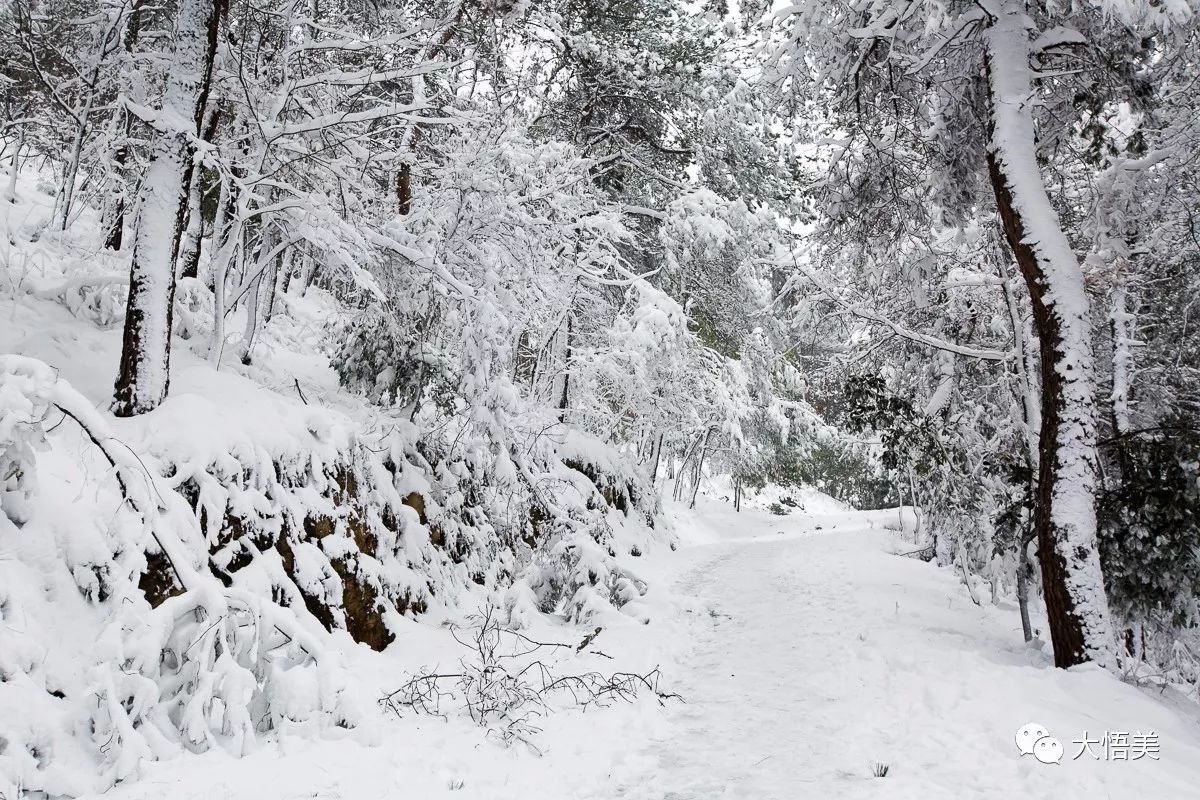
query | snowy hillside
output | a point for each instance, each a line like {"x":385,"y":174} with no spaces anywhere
{"x":258,"y":508}
{"x":596,"y":399}
{"x":806,"y":652}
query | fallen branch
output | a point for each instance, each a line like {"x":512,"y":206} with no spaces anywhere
{"x":506,"y":697}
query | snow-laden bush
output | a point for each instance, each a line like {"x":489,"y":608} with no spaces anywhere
{"x":23,"y":407}
{"x":205,"y":665}
{"x":495,"y":340}
{"x":99,"y":299}
{"x":592,"y":504}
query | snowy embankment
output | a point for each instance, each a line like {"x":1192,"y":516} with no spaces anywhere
{"x":807,"y":653}
{"x":215,"y":575}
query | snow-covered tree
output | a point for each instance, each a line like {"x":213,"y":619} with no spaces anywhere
{"x":145,"y":370}
{"x":936,"y":111}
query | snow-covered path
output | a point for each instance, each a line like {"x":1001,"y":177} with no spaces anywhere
{"x":807,"y":653}
{"x":825,"y":655}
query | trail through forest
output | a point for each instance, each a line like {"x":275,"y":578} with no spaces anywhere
{"x":470,"y":400}
{"x":807,"y":652}
{"x":827,"y":654}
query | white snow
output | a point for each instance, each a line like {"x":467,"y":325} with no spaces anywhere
{"x":806,"y":651}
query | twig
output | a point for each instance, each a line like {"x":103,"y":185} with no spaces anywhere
{"x":506,"y":699}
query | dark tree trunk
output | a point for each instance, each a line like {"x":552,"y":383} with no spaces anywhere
{"x":144,"y":374}
{"x":193,"y":233}
{"x":404,"y":189}
{"x":277,"y":286}
{"x":1064,"y":510}
{"x":116,"y":231}
{"x":564,"y":396}
{"x":1023,"y":593}
{"x":1066,"y":625}
{"x":309,"y":267}
{"x":656,"y":459}
{"x":288,"y":272}
{"x":189,"y":259}
{"x":699,"y":473}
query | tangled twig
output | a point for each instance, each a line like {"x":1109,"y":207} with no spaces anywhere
{"x":503,"y":686}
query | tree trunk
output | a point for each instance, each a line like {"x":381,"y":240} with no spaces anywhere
{"x":404,"y":189}
{"x":116,"y":226}
{"x":1123,"y":342}
{"x":189,"y":256}
{"x":684,"y":464}
{"x":288,"y":272}
{"x":564,"y":396}
{"x":277,"y":284}
{"x":116,"y":231}
{"x":257,"y":304}
{"x":1023,"y":568}
{"x":66,"y":198}
{"x":308,"y":271}
{"x":232,"y":244}
{"x":219,"y":233}
{"x":1030,"y":421}
{"x":144,"y":375}
{"x":10,"y":194}
{"x":1065,"y":513}
{"x":699,"y":468}
{"x":252,"y":308}
{"x":655,"y":459}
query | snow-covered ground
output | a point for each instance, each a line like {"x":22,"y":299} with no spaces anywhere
{"x":806,"y":652}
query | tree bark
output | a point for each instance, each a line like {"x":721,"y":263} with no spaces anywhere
{"x":1123,"y":342}
{"x":699,"y":468}
{"x":219,"y":233}
{"x":254,"y":302}
{"x":1023,"y":598}
{"x":189,"y":255}
{"x":655,"y":459}
{"x":65,"y":201}
{"x":308,"y":271}
{"x":252,"y":308}
{"x":116,"y":227}
{"x":116,"y":231}
{"x":564,"y":395}
{"x":404,"y":189}
{"x":276,"y":286}
{"x":10,"y":194}
{"x":144,"y":375}
{"x":1065,"y":513}
{"x":189,"y":258}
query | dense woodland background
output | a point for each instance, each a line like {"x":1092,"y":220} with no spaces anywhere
{"x":570,"y":258}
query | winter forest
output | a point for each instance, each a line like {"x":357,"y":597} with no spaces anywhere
{"x":598,"y":399}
